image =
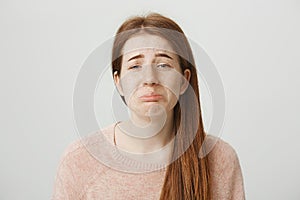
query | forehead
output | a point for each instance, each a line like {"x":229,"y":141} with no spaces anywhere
{"x":144,"y":42}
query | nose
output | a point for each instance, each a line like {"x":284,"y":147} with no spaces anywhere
{"x":150,"y":76}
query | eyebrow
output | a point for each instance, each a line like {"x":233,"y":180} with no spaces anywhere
{"x":136,"y":57}
{"x":156,"y":55}
{"x":163,"y":55}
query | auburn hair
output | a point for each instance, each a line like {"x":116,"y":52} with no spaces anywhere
{"x":187,"y":177}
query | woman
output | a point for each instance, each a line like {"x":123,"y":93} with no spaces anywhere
{"x":154,"y":71}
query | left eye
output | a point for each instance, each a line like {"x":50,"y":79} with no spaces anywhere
{"x":163,"y":65}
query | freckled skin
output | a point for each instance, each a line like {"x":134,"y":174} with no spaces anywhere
{"x":150,"y":73}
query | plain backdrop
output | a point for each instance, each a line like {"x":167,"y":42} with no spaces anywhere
{"x":254,"y":45}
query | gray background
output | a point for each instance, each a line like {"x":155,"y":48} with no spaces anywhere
{"x":254,"y":45}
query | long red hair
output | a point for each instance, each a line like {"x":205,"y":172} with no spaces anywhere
{"x":188,"y":176}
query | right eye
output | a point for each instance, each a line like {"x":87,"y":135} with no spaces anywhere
{"x":135,"y":67}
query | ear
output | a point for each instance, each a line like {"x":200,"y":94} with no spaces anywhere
{"x":185,"y":81}
{"x":118,"y":83}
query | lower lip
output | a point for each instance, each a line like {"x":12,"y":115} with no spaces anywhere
{"x":151,"y":98}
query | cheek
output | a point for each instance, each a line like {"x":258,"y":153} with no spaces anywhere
{"x":129,"y":83}
{"x":172,"y":81}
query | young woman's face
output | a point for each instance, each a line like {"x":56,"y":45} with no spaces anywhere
{"x":151,"y":79}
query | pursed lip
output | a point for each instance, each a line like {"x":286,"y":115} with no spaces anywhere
{"x":151,"y":97}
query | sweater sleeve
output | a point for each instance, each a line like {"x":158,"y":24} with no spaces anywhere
{"x":237,"y":184}
{"x":226,"y":173}
{"x":66,"y":180}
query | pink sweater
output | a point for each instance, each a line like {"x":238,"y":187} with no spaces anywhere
{"x":81,"y":175}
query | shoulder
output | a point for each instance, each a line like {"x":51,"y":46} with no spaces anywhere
{"x":78,"y":156}
{"x":219,"y":151}
{"x":74,"y":150}
{"x":76,"y":163}
{"x":80,"y":150}
{"x":78,"y":167}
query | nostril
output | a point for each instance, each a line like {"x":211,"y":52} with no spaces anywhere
{"x":150,"y":83}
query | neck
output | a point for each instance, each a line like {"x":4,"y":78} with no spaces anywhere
{"x":144,"y":136}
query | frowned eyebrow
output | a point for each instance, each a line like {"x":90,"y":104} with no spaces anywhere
{"x":156,"y":55}
{"x":163,"y":55}
{"x":136,"y":57}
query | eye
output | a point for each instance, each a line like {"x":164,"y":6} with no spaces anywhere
{"x":135,"y":67}
{"x":164,"y":66}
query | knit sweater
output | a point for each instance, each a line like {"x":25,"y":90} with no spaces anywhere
{"x":91,"y":169}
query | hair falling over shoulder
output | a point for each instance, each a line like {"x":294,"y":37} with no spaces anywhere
{"x":188,"y":176}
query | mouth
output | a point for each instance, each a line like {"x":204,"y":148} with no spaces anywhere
{"x":151,"y":98}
